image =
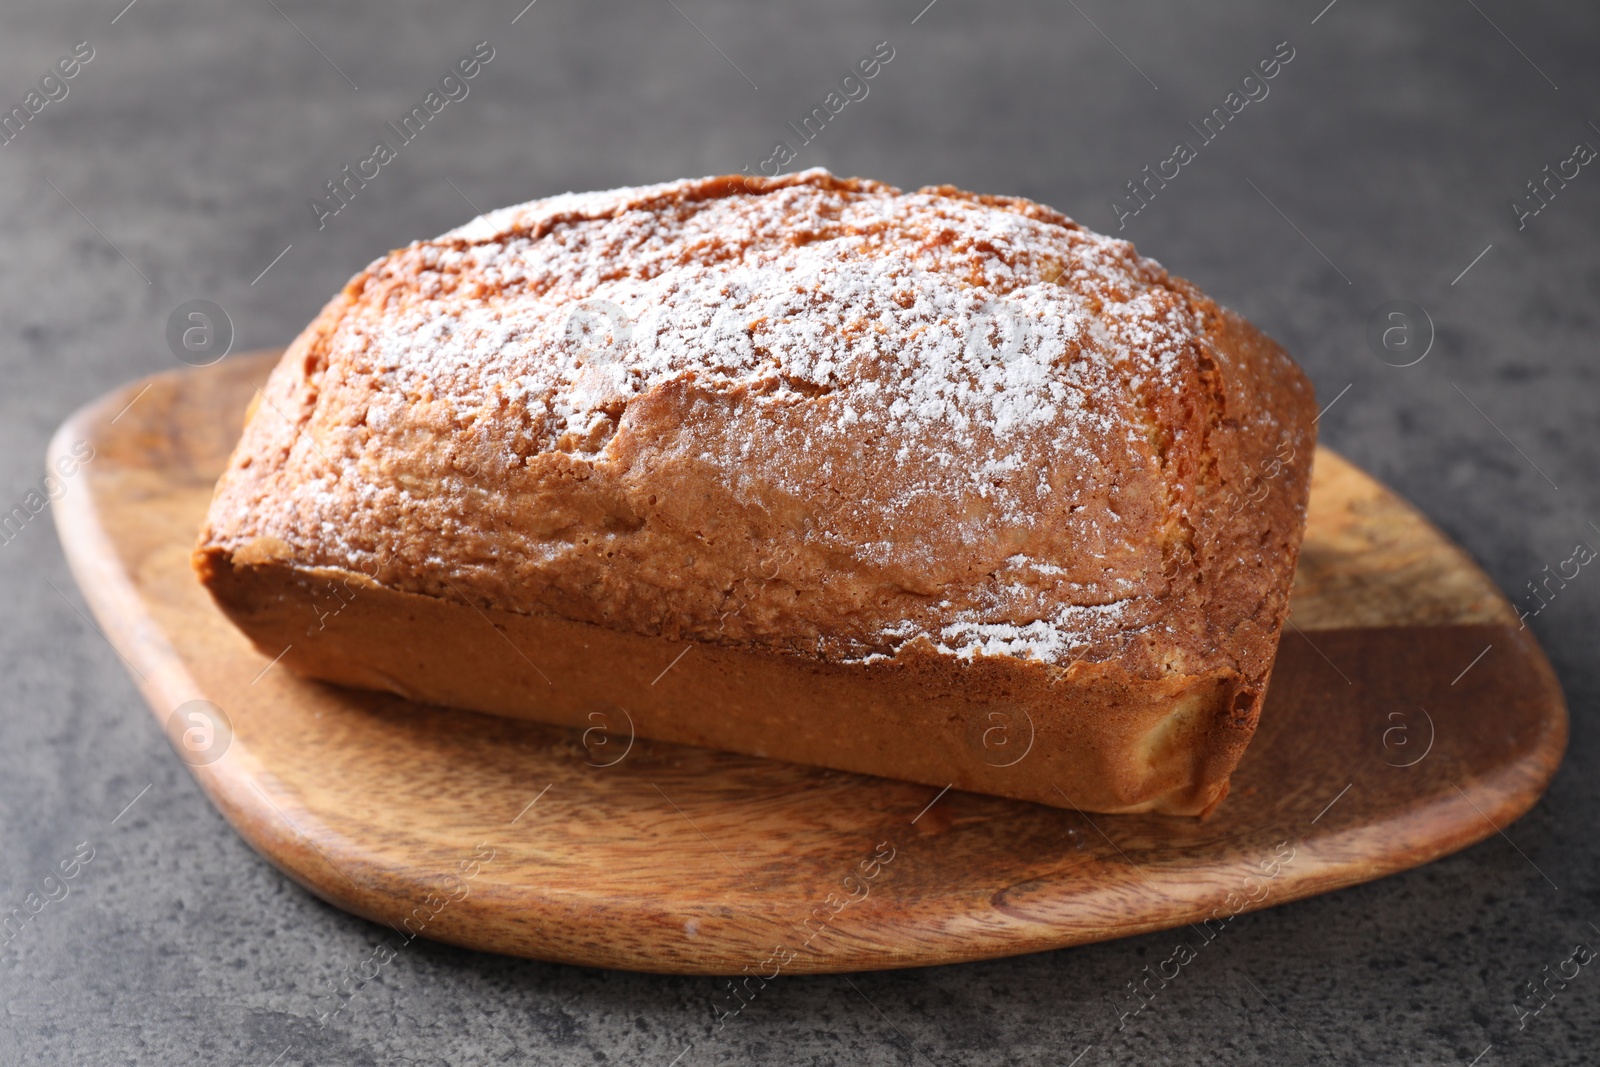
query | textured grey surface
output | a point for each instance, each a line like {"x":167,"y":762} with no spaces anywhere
{"x":1393,"y":140}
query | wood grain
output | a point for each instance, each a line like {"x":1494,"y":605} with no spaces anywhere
{"x":1375,"y":754}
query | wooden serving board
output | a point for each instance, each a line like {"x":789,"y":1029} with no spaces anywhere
{"x":1408,"y":717}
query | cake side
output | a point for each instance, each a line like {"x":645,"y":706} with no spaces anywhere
{"x":1090,"y":736}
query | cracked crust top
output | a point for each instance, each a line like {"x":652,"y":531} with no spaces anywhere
{"x":809,"y":414}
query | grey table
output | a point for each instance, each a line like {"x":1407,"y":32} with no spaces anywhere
{"x":1382,"y":164}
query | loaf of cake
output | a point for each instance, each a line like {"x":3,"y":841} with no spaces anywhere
{"x":934,"y":486}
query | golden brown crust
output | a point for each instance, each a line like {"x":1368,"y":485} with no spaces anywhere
{"x":808,"y":418}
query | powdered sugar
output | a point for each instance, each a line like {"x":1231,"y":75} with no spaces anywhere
{"x":1051,"y":640}
{"x":1070,"y":629}
{"x":923,"y":337}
